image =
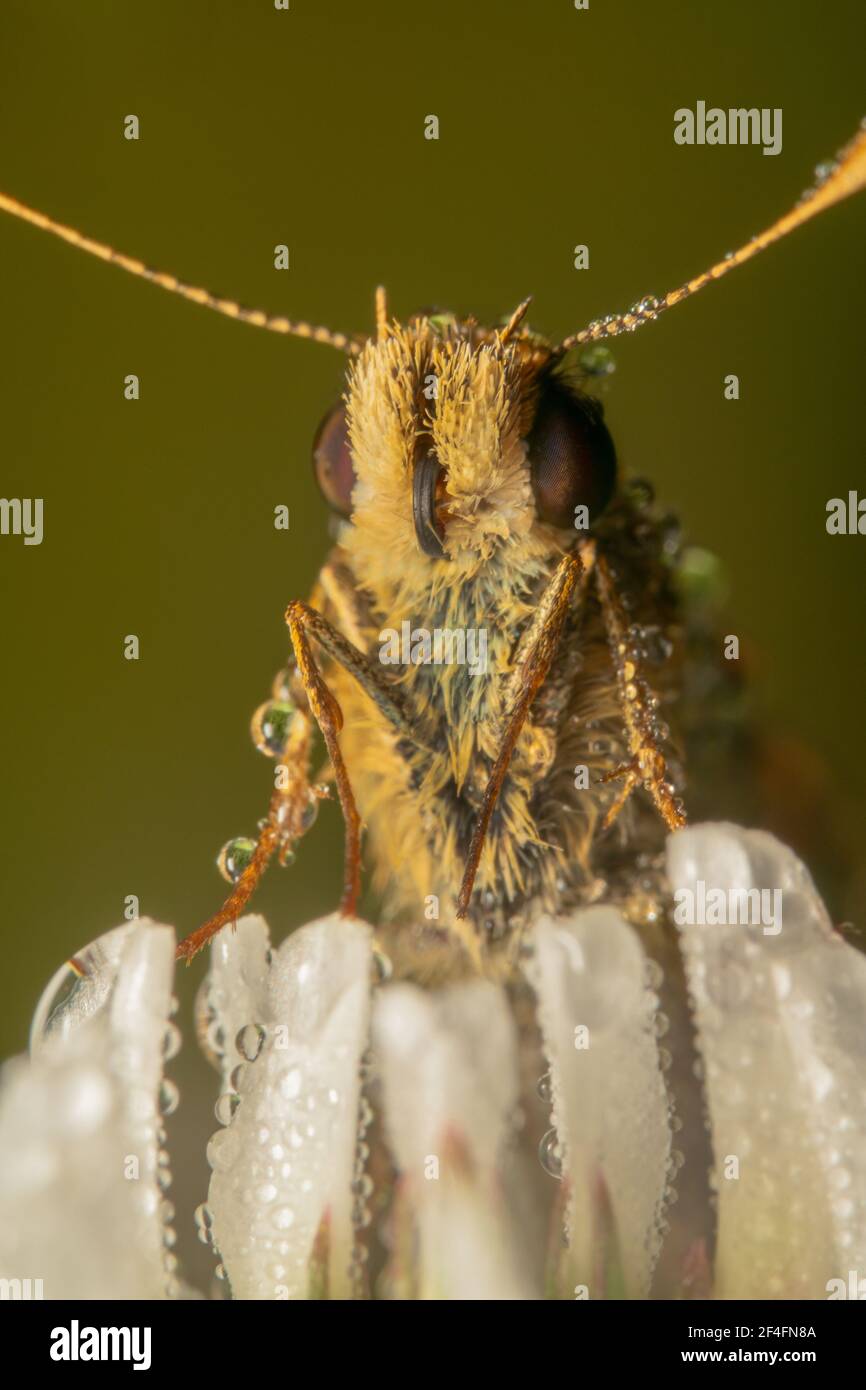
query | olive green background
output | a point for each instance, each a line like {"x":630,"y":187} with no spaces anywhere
{"x":306,"y":127}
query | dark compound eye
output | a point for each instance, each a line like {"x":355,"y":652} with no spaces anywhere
{"x":571,"y":455}
{"x":332,"y":461}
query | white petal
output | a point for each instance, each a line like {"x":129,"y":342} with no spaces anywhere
{"x":235,"y":990}
{"x":286,"y":1162}
{"x":449,"y":1072}
{"x":609,"y":1102}
{"x":79,"y":1199}
{"x":781,"y":1023}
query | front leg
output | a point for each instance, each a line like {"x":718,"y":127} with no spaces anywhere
{"x":647,"y":765}
{"x":286,"y":821}
{"x":534,"y":657}
{"x":329,"y":718}
{"x":287,"y":817}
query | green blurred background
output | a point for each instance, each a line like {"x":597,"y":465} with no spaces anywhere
{"x":306,"y":127}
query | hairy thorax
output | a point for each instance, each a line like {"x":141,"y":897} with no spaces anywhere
{"x":545,"y":850}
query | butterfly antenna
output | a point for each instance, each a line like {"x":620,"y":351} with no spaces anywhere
{"x":274,"y":323}
{"x":847,"y":175}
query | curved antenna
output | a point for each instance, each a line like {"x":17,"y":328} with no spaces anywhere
{"x":274,"y":323}
{"x":847,"y":175}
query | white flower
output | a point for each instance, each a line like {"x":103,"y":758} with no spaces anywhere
{"x":379,"y":1138}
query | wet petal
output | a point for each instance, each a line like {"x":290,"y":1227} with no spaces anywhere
{"x":609,"y":1102}
{"x":449,"y":1071}
{"x":780,"y":1007}
{"x":283,"y":1166}
{"x":79,"y":1151}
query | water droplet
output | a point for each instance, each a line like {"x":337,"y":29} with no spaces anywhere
{"x":596,"y":360}
{"x":220,"y":1272}
{"x":361,"y":1215}
{"x":640,"y":492}
{"x":205,"y":1018}
{"x":235,"y":856}
{"x":203,"y":1223}
{"x":602,"y":747}
{"x":550,"y":1154}
{"x":226,"y":1107}
{"x":653,"y":974}
{"x":223,"y":1149}
{"x":309,"y":813}
{"x":281,"y":688}
{"x":169,"y":1097}
{"x":237,"y":1076}
{"x":545,"y":1088}
{"x":79,"y":989}
{"x":382,"y":964}
{"x":282,"y":1218}
{"x":270,"y":726}
{"x":655,"y":645}
{"x":171,"y":1041}
{"x":290,"y":1084}
{"x":216,"y":1039}
{"x":670,"y":535}
{"x":249,"y":1041}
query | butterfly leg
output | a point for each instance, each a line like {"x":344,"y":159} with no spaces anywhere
{"x":646,"y":766}
{"x":288,"y":814}
{"x":532,"y":663}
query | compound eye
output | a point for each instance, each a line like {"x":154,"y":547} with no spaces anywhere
{"x":571,"y":455}
{"x":332,"y":461}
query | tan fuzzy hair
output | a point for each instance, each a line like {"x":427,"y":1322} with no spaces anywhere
{"x":476,"y":425}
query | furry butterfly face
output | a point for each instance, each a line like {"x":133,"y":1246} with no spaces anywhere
{"x":464,"y":446}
